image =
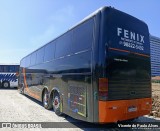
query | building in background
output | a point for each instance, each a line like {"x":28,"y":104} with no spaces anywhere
{"x":155,"y":55}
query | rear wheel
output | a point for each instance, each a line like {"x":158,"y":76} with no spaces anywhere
{"x":47,"y":102}
{"x":5,"y":84}
{"x":57,"y":104}
{"x":21,"y":89}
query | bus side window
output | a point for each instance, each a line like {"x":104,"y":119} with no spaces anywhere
{"x":22,"y":63}
{"x":83,"y":36}
{"x":28,"y":61}
{"x":63,"y":45}
{"x":1,"y":68}
{"x":33,"y":58}
{"x":49,"y":51}
{"x":40,"y":56}
{"x":6,"y":68}
{"x":11,"y":68}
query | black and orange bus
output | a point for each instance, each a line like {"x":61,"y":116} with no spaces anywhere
{"x":98,"y":71}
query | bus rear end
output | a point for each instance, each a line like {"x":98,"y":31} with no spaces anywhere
{"x":124,"y":85}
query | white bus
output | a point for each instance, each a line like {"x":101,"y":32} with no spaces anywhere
{"x":8,"y":75}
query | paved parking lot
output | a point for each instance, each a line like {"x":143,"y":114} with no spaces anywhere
{"x":15,"y":107}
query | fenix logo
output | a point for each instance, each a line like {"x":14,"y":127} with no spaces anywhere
{"x":8,"y":77}
{"x":130,"y":35}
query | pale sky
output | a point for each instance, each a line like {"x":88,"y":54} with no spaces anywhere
{"x":25,"y":25}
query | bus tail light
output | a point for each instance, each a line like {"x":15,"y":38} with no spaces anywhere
{"x":103,"y":89}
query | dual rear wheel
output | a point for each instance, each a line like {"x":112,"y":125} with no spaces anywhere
{"x":52,"y":102}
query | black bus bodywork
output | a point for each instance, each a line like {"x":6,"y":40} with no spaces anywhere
{"x":98,"y":71}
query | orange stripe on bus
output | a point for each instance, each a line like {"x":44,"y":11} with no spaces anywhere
{"x":142,"y":54}
{"x":26,"y":86}
{"x":119,"y":50}
{"x":118,"y":110}
{"x":129,"y":52}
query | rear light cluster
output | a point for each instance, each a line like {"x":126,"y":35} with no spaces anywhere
{"x":103,"y":89}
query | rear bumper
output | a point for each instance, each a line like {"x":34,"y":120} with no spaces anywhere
{"x":113,"y":111}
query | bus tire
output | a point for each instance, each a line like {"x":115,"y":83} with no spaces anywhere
{"x":5,"y":84}
{"x":57,"y":103}
{"x":21,"y":90}
{"x":47,"y":101}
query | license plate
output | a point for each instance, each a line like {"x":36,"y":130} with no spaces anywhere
{"x":132,"y":109}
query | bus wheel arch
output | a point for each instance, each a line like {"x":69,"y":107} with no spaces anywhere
{"x":46,"y":99}
{"x":5,"y":84}
{"x":57,"y":102}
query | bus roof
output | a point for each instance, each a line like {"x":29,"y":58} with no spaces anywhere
{"x":83,"y":20}
{"x":9,"y":64}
